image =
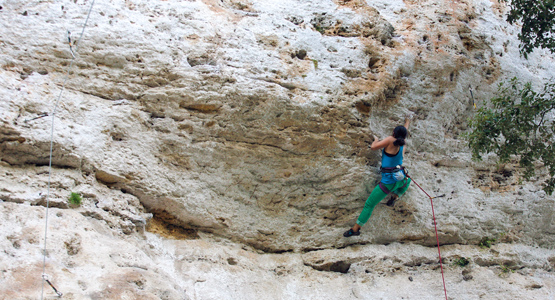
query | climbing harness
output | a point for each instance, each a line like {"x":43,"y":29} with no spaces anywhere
{"x":396,"y":170}
{"x":435,"y":226}
{"x":53,"y":114}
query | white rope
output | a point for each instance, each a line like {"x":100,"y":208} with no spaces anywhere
{"x":53,"y":114}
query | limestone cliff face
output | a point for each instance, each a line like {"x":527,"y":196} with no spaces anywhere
{"x":221,"y":148}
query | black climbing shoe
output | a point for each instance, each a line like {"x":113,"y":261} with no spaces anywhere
{"x":392,"y":200}
{"x":350,"y":232}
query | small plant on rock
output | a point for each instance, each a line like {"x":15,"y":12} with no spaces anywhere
{"x":461,"y":262}
{"x":315,"y":62}
{"x":320,"y":29}
{"x":75,"y":199}
{"x":486,"y":242}
{"x":506,"y":270}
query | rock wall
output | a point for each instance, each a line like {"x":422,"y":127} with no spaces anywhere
{"x":221,"y":149}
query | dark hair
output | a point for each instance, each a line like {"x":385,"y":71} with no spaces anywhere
{"x":400,"y":133}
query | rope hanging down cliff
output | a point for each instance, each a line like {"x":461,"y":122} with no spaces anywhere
{"x":437,"y":237}
{"x":53,"y":114}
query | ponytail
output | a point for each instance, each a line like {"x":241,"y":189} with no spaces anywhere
{"x":399,"y":142}
{"x":400,"y":133}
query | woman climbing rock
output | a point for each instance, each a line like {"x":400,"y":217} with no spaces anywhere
{"x":394,"y":180}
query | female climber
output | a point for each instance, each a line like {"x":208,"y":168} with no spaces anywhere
{"x":394,"y":180}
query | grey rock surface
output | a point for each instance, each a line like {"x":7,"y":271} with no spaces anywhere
{"x":221,"y":149}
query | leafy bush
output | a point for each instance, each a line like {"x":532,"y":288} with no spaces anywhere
{"x":538,"y":23}
{"x":518,"y":125}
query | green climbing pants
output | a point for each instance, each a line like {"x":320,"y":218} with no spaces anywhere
{"x":377,"y":195}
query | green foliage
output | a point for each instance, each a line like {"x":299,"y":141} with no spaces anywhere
{"x":75,"y":199}
{"x":461,"y":262}
{"x":505,"y":269}
{"x":315,"y":62}
{"x":519,"y":126}
{"x":320,"y":29}
{"x":538,"y":23}
{"x":486,"y":242}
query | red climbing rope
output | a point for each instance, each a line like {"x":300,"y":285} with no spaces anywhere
{"x":437,"y":238}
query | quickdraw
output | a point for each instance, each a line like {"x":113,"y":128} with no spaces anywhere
{"x":45,"y":277}
{"x":472,"y":95}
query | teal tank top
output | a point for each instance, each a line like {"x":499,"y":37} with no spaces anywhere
{"x":391,"y":161}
